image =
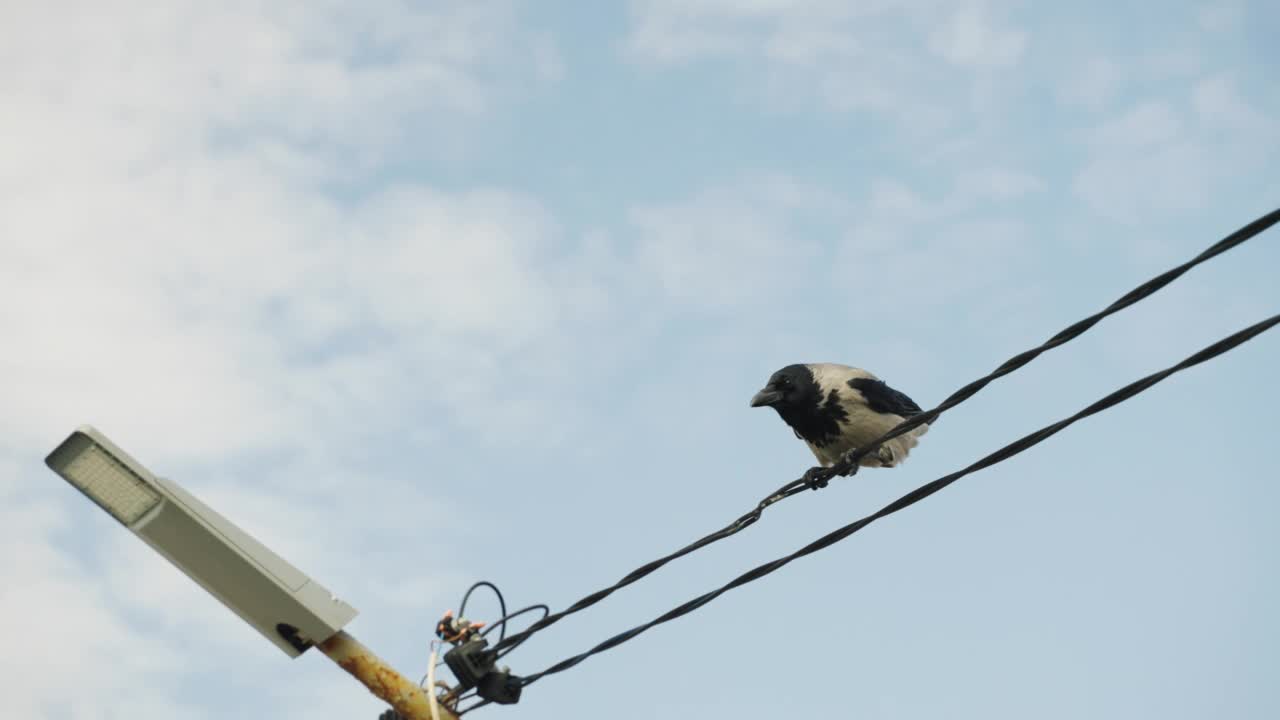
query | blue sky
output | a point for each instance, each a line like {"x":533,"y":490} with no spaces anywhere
{"x":426,"y":293}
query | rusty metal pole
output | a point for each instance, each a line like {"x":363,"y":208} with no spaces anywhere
{"x":408,"y":699}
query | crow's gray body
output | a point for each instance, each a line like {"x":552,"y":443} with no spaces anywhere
{"x":835,"y":408}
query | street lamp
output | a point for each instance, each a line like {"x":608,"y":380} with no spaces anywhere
{"x":290,"y":609}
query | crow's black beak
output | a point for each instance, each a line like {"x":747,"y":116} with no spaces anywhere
{"x":766,"y":397}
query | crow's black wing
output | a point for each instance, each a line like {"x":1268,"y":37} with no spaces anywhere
{"x":884,"y":399}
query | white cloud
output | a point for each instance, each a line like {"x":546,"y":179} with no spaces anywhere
{"x":62,"y":628}
{"x":913,"y":61}
{"x":772,"y":245}
{"x":1162,"y":156}
{"x":994,"y":184}
{"x":900,"y":270}
{"x":1219,"y":106}
{"x":972,"y":188}
{"x":894,"y":198}
{"x":733,"y":247}
{"x":1147,"y":124}
{"x":175,"y":270}
{"x":1130,"y":186}
{"x":149,"y":78}
{"x":1092,"y":83}
{"x":1220,"y":16}
{"x":969,"y":37}
{"x":227,"y":302}
{"x":155,"y":255}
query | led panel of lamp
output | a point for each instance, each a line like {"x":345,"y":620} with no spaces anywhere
{"x":112,"y":485}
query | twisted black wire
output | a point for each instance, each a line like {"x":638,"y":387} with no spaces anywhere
{"x":922,"y":492}
{"x":1069,"y":333}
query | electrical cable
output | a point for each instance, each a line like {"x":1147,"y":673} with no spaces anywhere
{"x":507,"y":618}
{"x":849,"y":464}
{"x":502,"y":603}
{"x":920,"y":493}
{"x":457,"y":630}
{"x":473,"y":706}
{"x":503,"y":620}
{"x":431,"y":683}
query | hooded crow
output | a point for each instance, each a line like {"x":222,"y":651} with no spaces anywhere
{"x":836,"y":408}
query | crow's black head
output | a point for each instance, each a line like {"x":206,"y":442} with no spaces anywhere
{"x":795,"y":393}
{"x":791,"y":388}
